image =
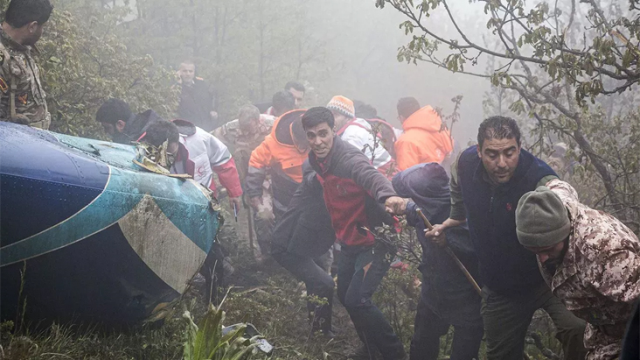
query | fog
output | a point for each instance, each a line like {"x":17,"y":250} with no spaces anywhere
{"x":371,"y":72}
{"x":250,"y":49}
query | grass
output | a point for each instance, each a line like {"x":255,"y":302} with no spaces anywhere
{"x":266,"y":296}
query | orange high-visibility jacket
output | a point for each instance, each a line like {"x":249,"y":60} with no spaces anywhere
{"x":425,"y":139}
{"x":278,"y":155}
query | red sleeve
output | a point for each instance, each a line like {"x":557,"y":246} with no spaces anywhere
{"x":228,"y":175}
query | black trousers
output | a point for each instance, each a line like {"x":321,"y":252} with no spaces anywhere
{"x":428,"y":329}
{"x":506,"y":320}
{"x":631,"y":344}
{"x":359,"y":275}
{"x":317,"y":281}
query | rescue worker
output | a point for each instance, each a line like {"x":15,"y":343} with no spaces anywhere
{"x":356,"y":195}
{"x":193,"y":151}
{"x":23,"y":98}
{"x":197,"y":100}
{"x":359,"y":133}
{"x":590,"y":259}
{"x":282,"y":102}
{"x":280,"y":156}
{"x":487,"y":181}
{"x":296,"y":90}
{"x":209,"y":156}
{"x":178,"y":161}
{"x":387,"y":133}
{"x":123,"y":125}
{"x":425,"y":138}
{"x":446,"y":298}
{"x":302,"y":242}
{"x":364,"y":110}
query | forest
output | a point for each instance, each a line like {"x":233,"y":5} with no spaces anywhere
{"x":565,"y":70}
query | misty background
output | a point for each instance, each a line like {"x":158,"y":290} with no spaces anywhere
{"x":248,"y":50}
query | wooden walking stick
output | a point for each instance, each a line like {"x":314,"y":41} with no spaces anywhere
{"x":453,"y":256}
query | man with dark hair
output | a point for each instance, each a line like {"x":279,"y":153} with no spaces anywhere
{"x":121,"y":124}
{"x":23,"y":98}
{"x":364,"y":110}
{"x":197,"y":100}
{"x":297,"y":90}
{"x":487,"y":181}
{"x":356,"y":196}
{"x":282,"y":102}
{"x":425,"y":139}
{"x":163,"y":131}
{"x":208,"y":154}
{"x":406,"y":107}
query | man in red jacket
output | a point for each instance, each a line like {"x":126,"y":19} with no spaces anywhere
{"x":356,"y":196}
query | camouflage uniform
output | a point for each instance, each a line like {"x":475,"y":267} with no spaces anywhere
{"x":240,"y":144}
{"x":599,"y":278}
{"x":23,"y":98}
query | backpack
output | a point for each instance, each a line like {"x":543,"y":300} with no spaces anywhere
{"x":384,"y":132}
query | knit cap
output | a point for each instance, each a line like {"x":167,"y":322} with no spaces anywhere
{"x":342,"y":105}
{"x":541,"y":219}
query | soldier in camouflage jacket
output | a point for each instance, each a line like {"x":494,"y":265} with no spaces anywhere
{"x":244,"y":134}
{"x":590,"y":259}
{"x":22,"y":97}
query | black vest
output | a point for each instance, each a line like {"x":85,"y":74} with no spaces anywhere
{"x":505,"y":266}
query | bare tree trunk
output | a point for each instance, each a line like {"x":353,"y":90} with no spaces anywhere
{"x":261,"y":29}
{"x":194,"y":23}
{"x":139,"y":9}
{"x":300,"y":61}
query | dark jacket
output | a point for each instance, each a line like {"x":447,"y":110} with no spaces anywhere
{"x":137,"y":126}
{"x":305,"y":228}
{"x":196,"y":104}
{"x":354,"y":193}
{"x":446,"y":290}
{"x":505,"y":266}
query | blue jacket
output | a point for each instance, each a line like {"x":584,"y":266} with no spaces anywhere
{"x":505,"y":266}
{"x":445,"y":289}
